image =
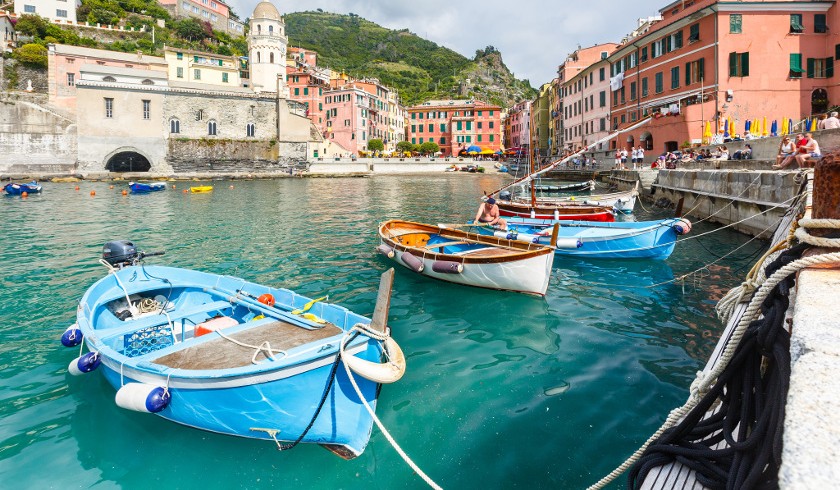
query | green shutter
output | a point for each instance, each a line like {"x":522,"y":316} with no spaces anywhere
{"x":819,"y":23}
{"x":829,"y":67}
{"x":688,"y":73}
{"x":796,"y":23}
{"x":796,"y":62}
{"x":701,"y":73}
{"x":811,"y":67}
{"x":678,"y":40}
{"x":745,"y":64}
{"x":733,"y":64}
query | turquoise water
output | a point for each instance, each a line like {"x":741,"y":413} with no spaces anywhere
{"x":502,"y":390}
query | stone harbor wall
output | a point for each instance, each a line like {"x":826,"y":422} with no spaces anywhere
{"x":188,"y":156}
{"x":16,"y":76}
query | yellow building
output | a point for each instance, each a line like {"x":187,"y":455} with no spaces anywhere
{"x":204,"y":68}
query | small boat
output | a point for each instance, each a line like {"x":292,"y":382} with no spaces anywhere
{"x":562,"y":211}
{"x":201,"y":189}
{"x":616,"y":240}
{"x":15,"y":189}
{"x":467,"y":258}
{"x":144,"y":187}
{"x":576,"y":187}
{"x":621,"y":202}
{"x":226,"y":355}
{"x":503,"y":168}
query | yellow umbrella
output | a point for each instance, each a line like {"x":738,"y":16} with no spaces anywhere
{"x":732,"y":128}
{"x":813,"y":124}
{"x":764,"y":126}
{"x":486,"y":151}
{"x":784,"y":126}
{"x":756,"y":129}
{"x":707,"y":133}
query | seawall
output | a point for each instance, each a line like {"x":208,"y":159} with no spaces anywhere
{"x":33,"y":138}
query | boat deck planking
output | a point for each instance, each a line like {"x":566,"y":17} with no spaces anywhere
{"x":221,"y":353}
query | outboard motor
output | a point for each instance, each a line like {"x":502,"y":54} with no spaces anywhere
{"x":119,"y":253}
{"x":504,"y":195}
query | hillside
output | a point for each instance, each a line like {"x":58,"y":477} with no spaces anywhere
{"x":419,"y":69}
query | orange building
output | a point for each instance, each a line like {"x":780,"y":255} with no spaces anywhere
{"x":455,"y":125}
{"x":711,"y":61}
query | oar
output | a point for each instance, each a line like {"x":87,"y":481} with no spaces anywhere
{"x":379,"y":321}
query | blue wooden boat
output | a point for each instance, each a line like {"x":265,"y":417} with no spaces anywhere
{"x":15,"y":189}
{"x":230,"y":356}
{"x":144,"y":187}
{"x":601,"y":240}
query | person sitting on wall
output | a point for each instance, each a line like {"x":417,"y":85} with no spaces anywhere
{"x":488,"y":212}
{"x":832,"y":122}
{"x":787,"y":150}
{"x":744,"y":154}
{"x":812,"y":151}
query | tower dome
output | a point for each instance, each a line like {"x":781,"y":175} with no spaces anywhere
{"x":266,"y":10}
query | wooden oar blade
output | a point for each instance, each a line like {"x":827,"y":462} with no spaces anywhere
{"x":379,"y":321}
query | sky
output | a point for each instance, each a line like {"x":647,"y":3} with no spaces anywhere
{"x":534,"y":36}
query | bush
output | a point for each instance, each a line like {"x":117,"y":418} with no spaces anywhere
{"x":190,"y":29}
{"x":32,"y":25}
{"x":32,"y":55}
{"x":103,"y":16}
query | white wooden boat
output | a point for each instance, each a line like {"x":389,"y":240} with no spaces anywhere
{"x":468,"y":258}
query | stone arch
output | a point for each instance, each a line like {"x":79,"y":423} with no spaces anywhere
{"x":127,"y":159}
{"x":646,"y":140}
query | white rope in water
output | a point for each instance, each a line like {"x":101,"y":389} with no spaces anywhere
{"x":378,"y":422}
{"x":703,"y":382}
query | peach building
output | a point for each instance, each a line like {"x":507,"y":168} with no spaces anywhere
{"x":65,"y":61}
{"x":455,"y":125}
{"x":709,"y":61}
{"x":216,"y":12}
{"x":519,"y":122}
{"x":584,"y":91}
{"x":307,"y":83}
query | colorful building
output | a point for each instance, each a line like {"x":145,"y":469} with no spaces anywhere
{"x":55,"y":10}
{"x":519,"y":123}
{"x":195,"y":66}
{"x":541,"y":121}
{"x":712,"y":62}
{"x":216,"y":12}
{"x":455,"y":125}
{"x":585,"y":97}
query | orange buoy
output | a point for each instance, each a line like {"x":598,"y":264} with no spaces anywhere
{"x":173,"y":186}
{"x":92,"y":193}
{"x":125,"y":192}
{"x":185,"y":191}
{"x":231,"y":186}
{"x":24,"y":194}
{"x":77,"y":187}
{"x":266,"y":299}
{"x":111,"y":187}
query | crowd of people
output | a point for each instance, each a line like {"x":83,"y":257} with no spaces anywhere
{"x":803,"y":150}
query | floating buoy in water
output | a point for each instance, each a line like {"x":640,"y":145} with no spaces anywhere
{"x":77,"y":187}
{"x":125,"y":192}
{"x":386,"y":251}
{"x":24,"y":194}
{"x":72,"y":336}
{"x":231,"y":186}
{"x":682,"y":226}
{"x":412,"y":262}
{"x":142,"y":397}
{"x":173,"y":186}
{"x":185,"y":191}
{"x":84,"y":363}
{"x":110,"y":187}
{"x":266,"y":299}
{"x":92,"y":193}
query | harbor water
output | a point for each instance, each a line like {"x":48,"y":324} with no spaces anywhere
{"x":502,"y":390}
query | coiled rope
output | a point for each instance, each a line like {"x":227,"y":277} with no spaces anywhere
{"x":704,"y":381}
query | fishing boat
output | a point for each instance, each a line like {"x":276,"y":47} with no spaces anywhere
{"x":145,"y":187}
{"x":616,"y":240}
{"x":575,"y":187}
{"x":234,"y":357}
{"x":15,"y":189}
{"x":467,"y":258}
{"x":201,"y":189}
{"x":562,"y":211}
{"x":621,"y":202}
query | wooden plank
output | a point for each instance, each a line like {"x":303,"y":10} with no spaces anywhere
{"x":221,"y":353}
{"x":379,"y":322}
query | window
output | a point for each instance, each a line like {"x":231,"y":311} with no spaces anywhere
{"x":460,"y":125}
{"x":180,"y":72}
{"x":271,"y":57}
{"x":174,"y":126}
{"x":644,"y":87}
{"x":644,"y":56}
{"x":796,"y":24}
{"x":735,"y":23}
{"x":414,"y":115}
{"x":29,"y":9}
{"x":693,"y":33}
{"x":443,"y":128}
{"x":739,"y":64}
{"x":147,"y":109}
{"x":71,"y":79}
{"x":61,"y":13}
{"x":305,"y":90}
{"x":492,"y":138}
{"x":796,"y":65}
{"x":211,"y":128}
{"x":250,"y":130}
{"x":675,"y":77}
{"x":658,"y":83}
{"x":109,"y":79}
{"x":271,"y":29}
{"x":297,"y":91}
{"x":224,"y":78}
{"x":677,"y":42}
{"x":478,"y":125}
{"x":694,"y":71}
{"x":419,"y":128}
{"x":196,"y":74}
{"x":622,"y":94}
{"x":601,"y":74}
{"x":431,"y":128}
{"x":199,"y":114}
{"x":820,"y":67}
{"x":478,"y":138}
{"x":819,"y":23}
{"x":109,"y":107}
{"x":603,"y":123}
{"x":213,"y":17}
{"x":632,"y":90}
{"x":490,"y":125}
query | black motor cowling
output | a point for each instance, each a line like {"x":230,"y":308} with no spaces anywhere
{"x":120,"y":252}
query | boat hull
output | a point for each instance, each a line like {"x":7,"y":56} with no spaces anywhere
{"x":616,"y":240}
{"x":559,"y":212}
{"x":14,"y":189}
{"x":143,"y":188}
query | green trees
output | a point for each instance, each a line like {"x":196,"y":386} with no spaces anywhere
{"x":32,"y":25}
{"x":31,"y":54}
{"x":405,"y":146}
{"x":190,"y":28}
{"x":429,"y":148}
{"x":376,"y":145}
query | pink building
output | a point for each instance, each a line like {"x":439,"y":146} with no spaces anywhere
{"x":584,"y":101}
{"x":455,"y":125}
{"x":348,"y":117}
{"x":307,"y":84}
{"x":520,"y":123}
{"x":64,"y":62}
{"x":216,"y":12}
{"x":709,"y":61}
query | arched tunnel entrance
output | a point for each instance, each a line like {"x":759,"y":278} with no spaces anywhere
{"x":128,"y":161}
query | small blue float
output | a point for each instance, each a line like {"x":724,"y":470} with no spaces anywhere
{"x":84,"y":363}
{"x":72,"y":336}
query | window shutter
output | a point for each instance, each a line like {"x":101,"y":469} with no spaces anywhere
{"x":667,"y":44}
{"x":700,"y":68}
{"x":733,"y":57}
{"x":837,"y":51}
{"x":819,"y":23}
{"x":829,"y":67}
{"x":811,"y":67}
{"x":796,"y":62}
{"x":678,"y":40}
{"x":688,"y":73}
{"x":745,"y":64}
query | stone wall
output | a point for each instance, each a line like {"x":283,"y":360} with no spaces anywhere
{"x":15,"y":76}
{"x":34,"y":140}
{"x":188,"y":156}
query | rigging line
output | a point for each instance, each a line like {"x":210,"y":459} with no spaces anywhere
{"x":725,"y":207}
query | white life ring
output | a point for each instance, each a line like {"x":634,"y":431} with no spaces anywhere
{"x":387,"y":372}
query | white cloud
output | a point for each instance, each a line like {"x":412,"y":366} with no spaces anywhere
{"x":534,"y":36}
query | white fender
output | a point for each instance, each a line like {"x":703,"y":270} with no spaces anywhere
{"x":387,"y":372}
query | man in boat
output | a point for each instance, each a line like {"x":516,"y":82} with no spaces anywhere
{"x":488,"y":212}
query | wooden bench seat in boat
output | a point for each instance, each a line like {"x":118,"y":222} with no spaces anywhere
{"x":443,"y":244}
{"x":221,"y":353}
